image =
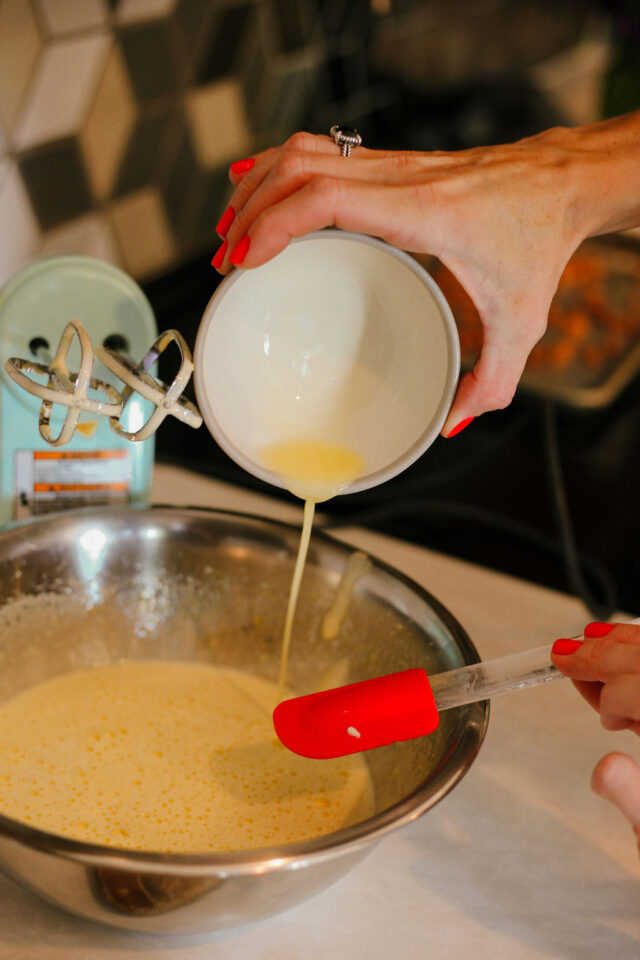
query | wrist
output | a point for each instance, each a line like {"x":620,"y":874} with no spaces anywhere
{"x":604,"y":176}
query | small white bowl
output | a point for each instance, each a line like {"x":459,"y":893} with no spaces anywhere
{"x":340,"y":338}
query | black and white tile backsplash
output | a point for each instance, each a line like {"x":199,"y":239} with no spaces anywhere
{"x":119,"y":118}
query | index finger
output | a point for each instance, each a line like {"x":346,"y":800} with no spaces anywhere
{"x":602,"y":658}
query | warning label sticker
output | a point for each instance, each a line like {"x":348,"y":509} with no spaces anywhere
{"x":48,"y":480}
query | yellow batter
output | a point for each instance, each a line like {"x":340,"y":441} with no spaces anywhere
{"x":166,"y":756}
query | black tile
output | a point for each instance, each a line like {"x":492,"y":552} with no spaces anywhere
{"x":56,"y":181}
{"x":183,"y":188}
{"x":141,"y":160}
{"x":149,"y":57}
{"x":296,"y":21}
{"x":192,"y":18}
{"x":214,"y":195}
{"x":192,"y":22}
{"x":253,"y":80}
{"x":291,"y":100}
{"x":342,"y":77}
{"x":338,"y":76}
{"x":339,"y":18}
{"x":194,"y":199}
{"x":219,"y":55}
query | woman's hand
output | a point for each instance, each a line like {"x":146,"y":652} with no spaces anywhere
{"x":504,"y":219}
{"x":606,"y":671}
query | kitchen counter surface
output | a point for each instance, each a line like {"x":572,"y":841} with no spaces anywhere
{"x":520,"y":861}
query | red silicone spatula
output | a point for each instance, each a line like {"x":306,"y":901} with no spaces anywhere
{"x":399,"y":706}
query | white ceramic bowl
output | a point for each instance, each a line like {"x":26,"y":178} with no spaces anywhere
{"x":340,"y":338}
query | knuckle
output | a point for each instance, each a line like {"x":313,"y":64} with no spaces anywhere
{"x":299,"y":142}
{"x":535,"y":329}
{"x":596,"y":650}
{"x":328,"y":195}
{"x":243,"y":191}
{"x":240,"y":223}
{"x":326,"y":189}
{"x":627,"y":633}
{"x":266,"y":224}
{"x":498,"y":394}
{"x":288,"y":165}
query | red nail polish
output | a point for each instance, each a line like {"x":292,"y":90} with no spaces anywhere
{"x":225,"y":221}
{"x":242,"y":166}
{"x":218,"y":256}
{"x":239,"y":252}
{"x":459,"y":427}
{"x":565,"y":647}
{"x":597,"y":629}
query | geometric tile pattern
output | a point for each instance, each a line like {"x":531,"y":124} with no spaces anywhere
{"x":119,"y":118}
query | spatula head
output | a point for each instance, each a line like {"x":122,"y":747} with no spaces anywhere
{"x":359,"y":716}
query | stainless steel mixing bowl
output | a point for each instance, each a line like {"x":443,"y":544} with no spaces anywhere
{"x":95,"y":586}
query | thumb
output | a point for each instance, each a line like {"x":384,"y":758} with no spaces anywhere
{"x":494,"y":379}
{"x":617,"y":778}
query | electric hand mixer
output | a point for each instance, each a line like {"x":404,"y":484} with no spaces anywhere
{"x":94,"y":411}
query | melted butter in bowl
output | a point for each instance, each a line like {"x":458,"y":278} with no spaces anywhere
{"x":166,"y":756}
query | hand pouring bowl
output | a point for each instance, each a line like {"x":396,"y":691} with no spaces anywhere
{"x":98,"y":586}
{"x":341,"y":338}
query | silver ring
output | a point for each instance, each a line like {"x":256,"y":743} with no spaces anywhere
{"x":346,"y":138}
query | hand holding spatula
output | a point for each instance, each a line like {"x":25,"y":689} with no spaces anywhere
{"x":402,"y":706}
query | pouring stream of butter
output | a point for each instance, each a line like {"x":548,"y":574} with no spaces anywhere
{"x":314,"y":470}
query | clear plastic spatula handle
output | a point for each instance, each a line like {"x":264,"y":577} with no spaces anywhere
{"x":479,"y":681}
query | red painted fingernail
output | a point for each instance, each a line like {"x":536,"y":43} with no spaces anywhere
{"x":565,"y":647}
{"x":598,"y":629}
{"x":239,"y":252}
{"x":242,"y":166}
{"x":218,"y":256}
{"x":460,"y":427}
{"x":225,"y":221}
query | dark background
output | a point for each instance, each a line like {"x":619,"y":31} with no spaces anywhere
{"x":486,"y":495}
{"x":541,"y":491}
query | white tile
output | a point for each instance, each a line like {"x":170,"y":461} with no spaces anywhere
{"x":573,"y":79}
{"x":20,"y":235}
{"x":68,"y":16}
{"x":106,"y":132}
{"x":20,"y":45}
{"x":62,"y":89}
{"x":143,"y":233}
{"x":91,"y":235}
{"x":218,"y":123}
{"x":132,"y":11}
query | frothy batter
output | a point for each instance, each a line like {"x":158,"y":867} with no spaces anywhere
{"x":166,"y":756}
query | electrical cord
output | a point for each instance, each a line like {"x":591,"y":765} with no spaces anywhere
{"x":436,"y":512}
{"x":574,"y":562}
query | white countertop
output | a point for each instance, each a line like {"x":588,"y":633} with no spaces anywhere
{"x":520,"y":861}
